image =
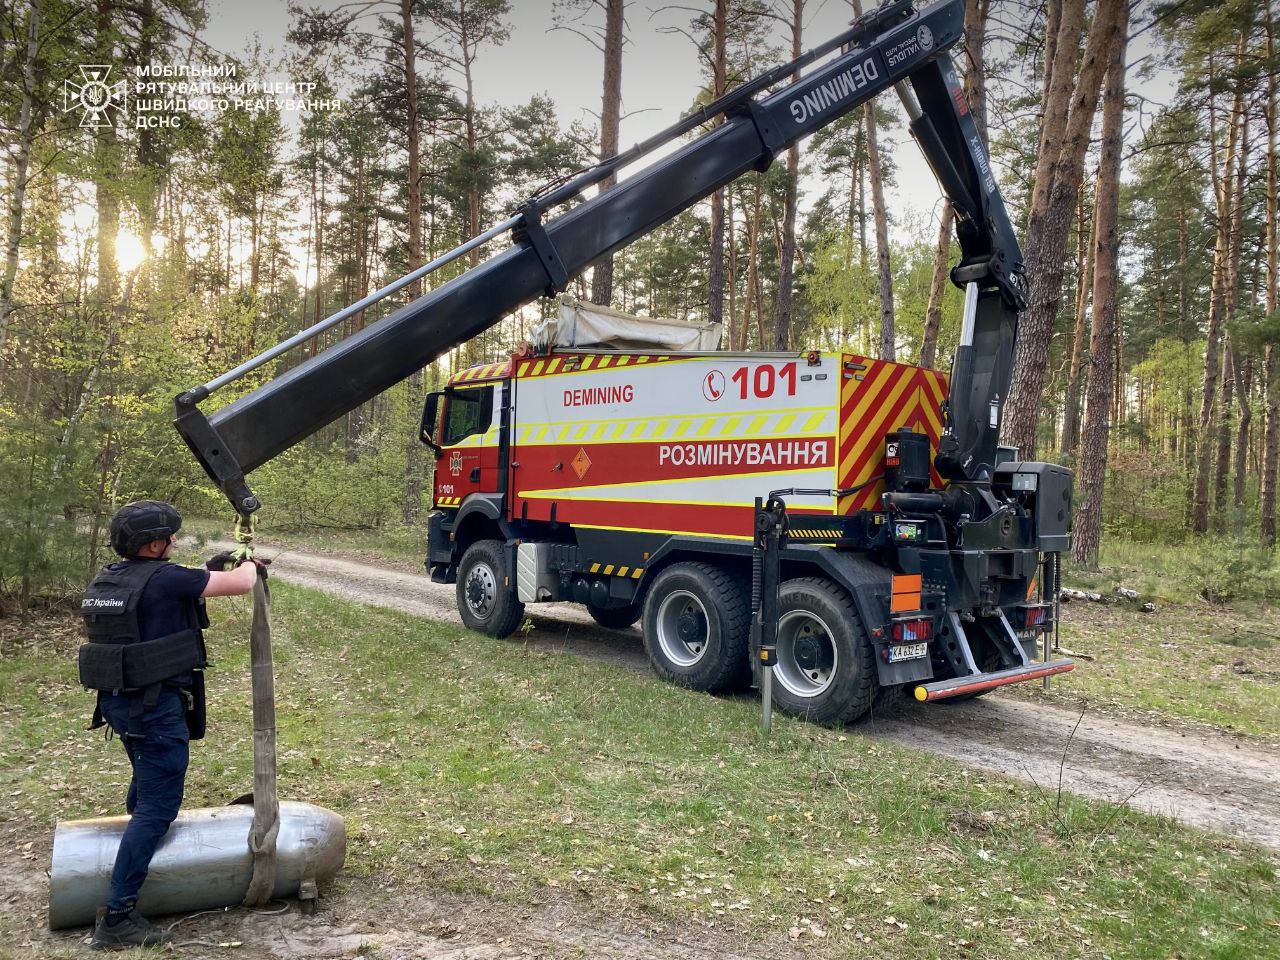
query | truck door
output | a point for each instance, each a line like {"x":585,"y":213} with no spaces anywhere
{"x":468,"y":460}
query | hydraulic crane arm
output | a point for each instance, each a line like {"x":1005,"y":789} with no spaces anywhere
{"x":892,"y":46}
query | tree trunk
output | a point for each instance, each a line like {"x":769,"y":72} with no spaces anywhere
{"x":106,"y":173}
{"x":715,"y":292}
{"x":1205,"y":438}
{"x":888,"y":345}
{"x":1106,"y":287}
{"x":736,"y":329}
{"x":752,"y":227}
{"x":887,"y":342}
{"x":787,"y":248}
{"x":1271,"y":430}
{"x":1050,"y":219}
{"x":411,"y":505}
{"x":1244,"y":371}
{"x":937,"y":286}
{"x":1232,"y":306}
{"x":1062,"y":47}
{"x":1222,"y":458}
{"x":21,"y":160}
{"x":975,"y":84}
{"x":610,"y":118}
{"x":1084,"y":273}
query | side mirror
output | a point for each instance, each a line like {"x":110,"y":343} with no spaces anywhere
{"x":426,"y":430}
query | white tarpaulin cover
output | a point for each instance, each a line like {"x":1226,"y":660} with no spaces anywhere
{"x":587,"y":325}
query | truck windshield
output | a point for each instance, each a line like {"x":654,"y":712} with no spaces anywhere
{"x":469,"y":412}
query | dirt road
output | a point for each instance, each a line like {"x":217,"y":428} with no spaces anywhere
{"x":1213,"y":782}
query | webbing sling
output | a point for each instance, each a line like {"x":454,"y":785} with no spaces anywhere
{"x":266,"y":802}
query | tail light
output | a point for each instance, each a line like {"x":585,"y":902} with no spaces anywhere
{"x":912,"y":631}
{"x":1034,"y":616}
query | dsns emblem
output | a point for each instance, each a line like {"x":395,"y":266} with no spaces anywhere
{"x":924,"y":37}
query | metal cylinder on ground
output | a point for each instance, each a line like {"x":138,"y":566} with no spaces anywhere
{"x":203,"y":862}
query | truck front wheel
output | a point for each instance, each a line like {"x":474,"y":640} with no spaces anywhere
{"x":696,"y":627}
{"x":826,"y":668}
{"x":486,"y":598}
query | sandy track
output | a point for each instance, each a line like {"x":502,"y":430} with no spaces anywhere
{"x":1209,"y":781}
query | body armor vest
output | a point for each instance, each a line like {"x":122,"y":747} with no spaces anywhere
{"x":117,"y":660}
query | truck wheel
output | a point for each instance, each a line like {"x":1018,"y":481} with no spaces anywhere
{"x":826,"y":667}
{"x":696,"y":627}
{"x":615,"y":618}
{"x":486,"y":599}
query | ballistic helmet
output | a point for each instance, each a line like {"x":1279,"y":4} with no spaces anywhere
{"x":137,"y":524}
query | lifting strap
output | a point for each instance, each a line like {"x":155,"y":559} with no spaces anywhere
{"x":266,"y":802}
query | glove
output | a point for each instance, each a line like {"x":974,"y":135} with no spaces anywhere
{"x":220,"y":561}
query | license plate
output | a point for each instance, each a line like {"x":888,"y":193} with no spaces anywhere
{"x":908,"y":651}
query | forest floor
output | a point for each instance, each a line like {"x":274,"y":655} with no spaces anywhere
{"x":546,"y":796}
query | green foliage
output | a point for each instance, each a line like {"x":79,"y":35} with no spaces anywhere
{"x":1221,"y":570}
{"x":842,"y":305}
{"x":1146,"y":497}
{"x":310,"y":487}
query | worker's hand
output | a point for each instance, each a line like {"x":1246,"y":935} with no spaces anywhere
{"x":220,"y":561}
{"x":262,"y":566}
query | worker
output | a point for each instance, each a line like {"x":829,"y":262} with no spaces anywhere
{"x":144,"y":618}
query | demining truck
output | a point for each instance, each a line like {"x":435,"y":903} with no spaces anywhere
{"x":637,"y":470}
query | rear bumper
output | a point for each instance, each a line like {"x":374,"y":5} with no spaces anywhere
{"x":979,"y":682}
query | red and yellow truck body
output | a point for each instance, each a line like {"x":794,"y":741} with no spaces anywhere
{"x":683,"y":443}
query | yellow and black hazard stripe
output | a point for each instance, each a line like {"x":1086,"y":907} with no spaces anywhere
{"x":579,"y":362}
{"x":617,"y":570}
{"x":486,"y":371}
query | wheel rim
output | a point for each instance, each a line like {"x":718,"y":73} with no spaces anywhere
{"x":682,"y":628}
{"x":480,"y":591}
{"x":807,"y":656}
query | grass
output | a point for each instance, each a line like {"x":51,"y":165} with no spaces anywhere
{"x":1192,"y":660}
{"x":1217,"y":666}
{"x":484,"y":767}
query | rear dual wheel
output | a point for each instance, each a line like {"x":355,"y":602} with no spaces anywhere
{"x":696,"y":628}
{"x":826,"y":669}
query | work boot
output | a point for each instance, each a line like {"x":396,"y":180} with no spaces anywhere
{"x":134,"y":930}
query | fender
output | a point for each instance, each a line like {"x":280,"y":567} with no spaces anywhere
{"x":443,"y":550}
{"x":693,"y":547}
{"x":488,"y":505}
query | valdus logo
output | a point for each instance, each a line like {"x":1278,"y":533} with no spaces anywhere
{"x":916,"y":45}
{"x":95,"y":97}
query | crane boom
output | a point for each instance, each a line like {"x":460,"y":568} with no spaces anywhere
{"x":894,"y":46}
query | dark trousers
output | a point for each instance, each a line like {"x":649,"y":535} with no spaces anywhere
{"x":159,"y":760}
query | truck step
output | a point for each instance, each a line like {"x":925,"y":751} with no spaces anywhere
{"x":978,"y":682}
